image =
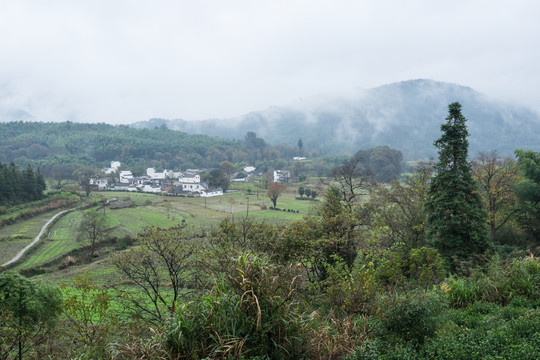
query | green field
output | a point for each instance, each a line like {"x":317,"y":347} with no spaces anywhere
{"x":15,"y":237}
{"x":61,"y":239}
{"x":138,"y":210}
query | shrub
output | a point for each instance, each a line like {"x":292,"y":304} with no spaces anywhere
{"x":332,"y":337}
{"x":524,"y":277}
{"x":411,"y":317}
{"x":425,"y":265}
{"x":252,"y":313}
{"x":498,"y":283}
{"x":68,"y":261}
{"x":460,"y":291}
{"x":352,"y":290}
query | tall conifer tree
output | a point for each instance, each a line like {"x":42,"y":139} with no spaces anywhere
{"x":456,"y":218}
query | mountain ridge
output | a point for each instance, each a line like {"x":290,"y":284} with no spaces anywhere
{"x":405,"y":115}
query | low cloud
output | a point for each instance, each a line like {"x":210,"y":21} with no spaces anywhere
{"x":121,"y":62}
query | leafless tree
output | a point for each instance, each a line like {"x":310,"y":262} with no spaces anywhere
{"x":164,"y":260}
{"x":352,"y":178}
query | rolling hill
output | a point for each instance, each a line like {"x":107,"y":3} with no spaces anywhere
{"x":405,"y":115}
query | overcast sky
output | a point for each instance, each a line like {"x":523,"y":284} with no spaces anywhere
{"x":127,"y":61}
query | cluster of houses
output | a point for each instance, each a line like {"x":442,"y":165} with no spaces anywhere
{"x":168,"y":182}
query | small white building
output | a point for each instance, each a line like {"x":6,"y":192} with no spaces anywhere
{"x":166,"y":174}
{"x":192,"y":187}
{"x":125,"y":187}
{"x":281,"y":175}
{"x":100,"y":183}
{"x":299,"y":158}
{"x":249,"y":169}
{"x":115,"y":165}
{"x":210,"y":193}
{"x":125,"y":176}
{"x":190,"y":180}
{"x":150,"y":188}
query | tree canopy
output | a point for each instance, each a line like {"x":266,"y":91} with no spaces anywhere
{"x":18,"y":186}
{"x":528,"y":191}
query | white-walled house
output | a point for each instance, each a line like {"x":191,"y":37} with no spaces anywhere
{"x":190,"y":180}
{"x":281,"y":175}
{"x":125,"y":187}
{"x":150,"y":188}
{"x":115,"y":165}
{"x":166,"y":174}
{"x":210,"y":193}
{"x":101,"y":183}
{"x":249,"y":169}
{"x":125,"y":176}
{"x":192,"y":187}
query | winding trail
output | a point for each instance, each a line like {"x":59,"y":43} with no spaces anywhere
{"x":20,"y":253}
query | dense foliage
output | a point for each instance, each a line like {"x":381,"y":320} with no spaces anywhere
{"x":528,"y":192}
{"x":456,"y":216}
{"x":95,"y":145}
{"x":18,"y":186}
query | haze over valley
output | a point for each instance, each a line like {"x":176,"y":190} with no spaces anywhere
{"x":405,"y":115}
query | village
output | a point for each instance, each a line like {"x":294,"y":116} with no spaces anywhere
{"x":187,"y":183}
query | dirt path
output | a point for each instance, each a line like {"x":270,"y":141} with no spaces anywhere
{"x":20,"y":253}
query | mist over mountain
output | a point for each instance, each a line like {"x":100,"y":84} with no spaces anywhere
{"x":405,"y":115}
{"x":9,"y":111}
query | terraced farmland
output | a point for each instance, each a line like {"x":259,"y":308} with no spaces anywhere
{"x":15,"y":237}
{"x":62,"y":238}
{"x":135,"y":219}
{"x":142,"y":210}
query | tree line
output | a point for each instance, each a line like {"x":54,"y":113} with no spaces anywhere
{"x":18,"y":186}
{"x":58,"y":149}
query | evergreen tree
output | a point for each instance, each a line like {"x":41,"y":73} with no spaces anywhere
{"x":17,"y":186}
{"x":456,"y":218}
{"x":29,"y":184}
{"x":528,"y":192}
{"x":41,"y":186}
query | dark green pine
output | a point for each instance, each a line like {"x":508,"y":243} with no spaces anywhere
{"x":456,"y":217}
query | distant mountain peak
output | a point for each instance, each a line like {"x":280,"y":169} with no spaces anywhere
{"x":405,"y":115}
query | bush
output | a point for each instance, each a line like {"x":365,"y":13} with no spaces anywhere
{"x":411,"y":317}
{"x":524,"y":277}
{"x":332,"y":337}
{"x":498,"y":283}
{"x":253,"y":313}
{"x":352,"y":290}
{"x":124,"y":242}
{"x":68,"y":261}
{"x":485,"y":331}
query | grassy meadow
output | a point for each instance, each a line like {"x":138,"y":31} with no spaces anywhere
{"x":63,"y":251}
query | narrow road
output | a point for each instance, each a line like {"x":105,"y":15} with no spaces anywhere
{"x":20,"y":253}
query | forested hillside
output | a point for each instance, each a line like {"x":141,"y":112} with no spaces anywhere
{"x":404,"y":115}
{"x":70,"y":145}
